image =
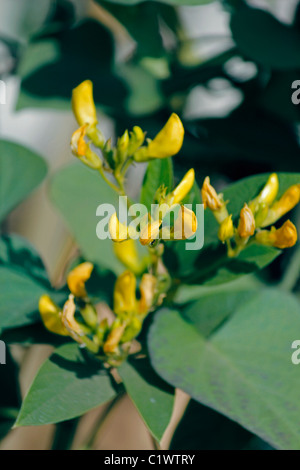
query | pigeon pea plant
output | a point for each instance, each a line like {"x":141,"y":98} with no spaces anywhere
{"x":112,"y":342}
{"x":201,"y":321}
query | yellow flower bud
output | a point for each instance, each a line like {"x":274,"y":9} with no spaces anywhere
{"x":270,"y":190}
{"x":89,"y":314}
{"x":260,"y":214}
{"x":287,"y":202}
{"x":185,"y":225}
{"x":82,"y":150}
{"x":147,"y":290}
{"x":128,"y":254}
{"x":210,"y":197}
{"x":284,"y":237}
{"x":183,"y":188}
{"x":124,"y":294}
{"x":102,"y":329}
{"x":246,"y":226}
{"x":167,"y":142}
{"x":137,"y":137}
{"x":118,"y":231}
{"x":111,"y":344}
{"x":122,"y":145}
{"x":77,"y":278}
{"x":132,"y":330}
{"x":68,"y":318}
{"x":51,"y":316}
{"x":150,"y":232}
{"x":226,"y":229}
{"x":83,"y":104}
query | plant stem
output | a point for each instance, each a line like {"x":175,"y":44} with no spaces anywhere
{"x":112,"y":185}
{"x":102,"y":419}
{"x":155,"y":443}
{"x":292,"y":272}
{"x":64,"y":434}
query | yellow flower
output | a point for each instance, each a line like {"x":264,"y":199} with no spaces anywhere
{"x":270,"y":190}
{"x":131,"y":330}
{"x":210,"y":197}
{"x":226,"y":229}
{"x":111,"y":344}
{"x":185,"y":225}
{"x":261,"y":213}
{"x":82,"y":150}
{"x":137,"y":137}
{"x":147,"y":289}
{"x":150,"y":232}
{"x":287,"y":202}
{"x":128,"y":254}
{"x":83,"y":104}
{"x":267,"y":194}
{"x":246,"y":226}
{"x":68,"y":317}
{"x":183,"y":188}
{"x":284,"y":237}
{"x":124,"y":294}
{"x":77,"y":278}
{"x":122,"y":145}
{"x":167,"y":142}
{"x":52,"y":316}
{"x":85,"y":111}
{"x":118,"y":231}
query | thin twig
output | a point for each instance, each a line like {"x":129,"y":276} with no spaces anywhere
{"x":93,"y":437}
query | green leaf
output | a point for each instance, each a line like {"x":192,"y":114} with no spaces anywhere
{"x":210,"y":311}
{"x":77,"y":192}
{"x":211,"y":265}
{"x":202,"y":428}
{"x":243,"y":368}
{"x":159,"y":171}
{"x":144,"y":95}
{"x":153,"y":397}
{"x":259,"y":139}
{"x":21,"y":170}
{"x":23,"y":279}
{"x":141,"y":22}
{"x":47,"y":59}
{"x":274,"y":44}
{"x":190,"y":293}
{"x":67,"y":385}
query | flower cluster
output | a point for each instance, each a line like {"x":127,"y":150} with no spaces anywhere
{"x":131,"y":147}
{"x":261,"y":212}
{"x":156,"y":226}
{"x":110,"y":338}
{"x":79,"y":319}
